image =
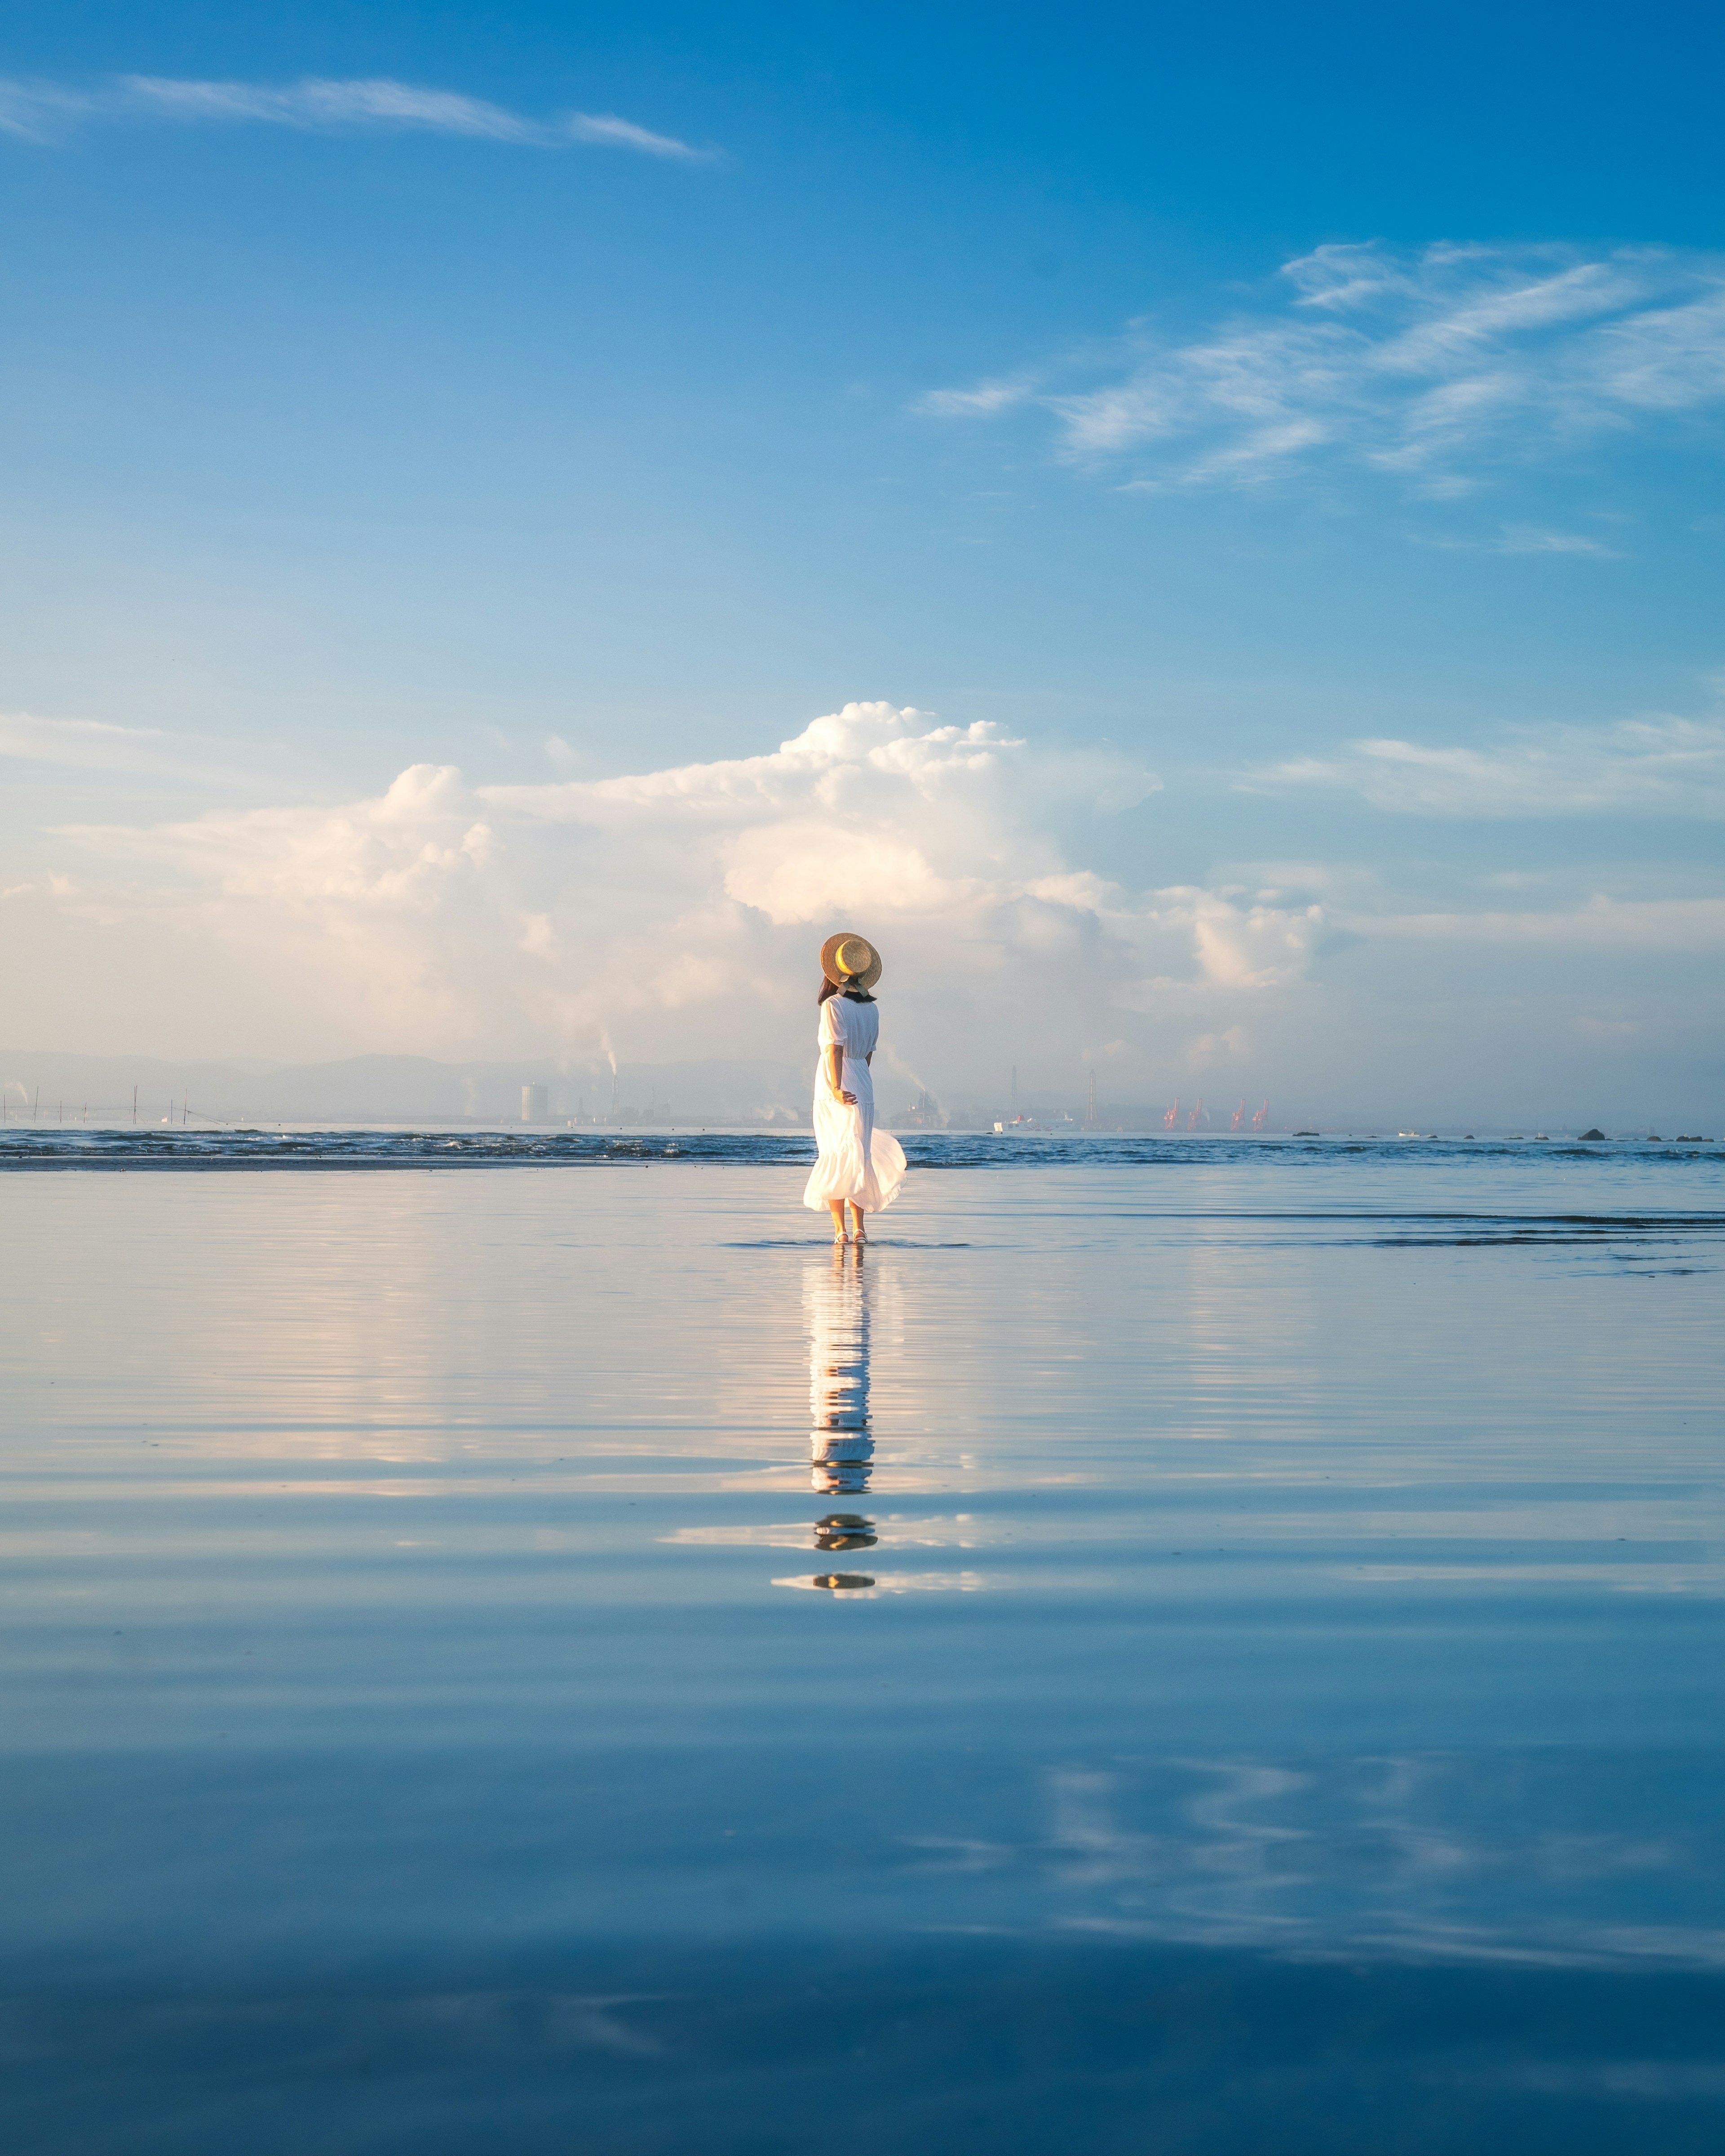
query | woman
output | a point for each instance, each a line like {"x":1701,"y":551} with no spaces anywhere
{"x":858,"y":1166}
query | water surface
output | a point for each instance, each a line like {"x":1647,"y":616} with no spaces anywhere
{"x":1186,"y":1646}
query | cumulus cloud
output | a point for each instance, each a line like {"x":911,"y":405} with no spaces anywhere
{"x":1666,"y":766}
{"x":677,"y":910}
{"x":1424,"y":365}
{"x":42,"y":111}
{"x":673,"y":913}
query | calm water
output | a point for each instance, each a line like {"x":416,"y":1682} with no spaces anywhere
{"x":1177,"y":1646}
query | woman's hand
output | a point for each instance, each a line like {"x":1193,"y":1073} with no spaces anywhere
{"x":848,"y":1099}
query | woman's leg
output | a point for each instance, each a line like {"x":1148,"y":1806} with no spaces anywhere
{"x":835,"y":1206}
{"x":856,"y":1214}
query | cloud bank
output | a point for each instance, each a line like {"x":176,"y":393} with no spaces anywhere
{"x":42,"y":112}
{"x":1424,"y":365}
{"x":678,"y":911}
{"x":674,"y":915}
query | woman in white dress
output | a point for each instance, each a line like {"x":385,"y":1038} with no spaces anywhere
{"x":858,"y":1166}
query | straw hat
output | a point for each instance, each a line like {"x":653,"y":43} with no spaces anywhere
{"x":850,"y":960}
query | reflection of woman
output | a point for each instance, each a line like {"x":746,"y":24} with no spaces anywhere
{"x":836,"y":1307}
{"x":858,"y":1166}
{"x":841,"y":1452}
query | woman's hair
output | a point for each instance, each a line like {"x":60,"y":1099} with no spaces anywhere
{"x":832,"y":989}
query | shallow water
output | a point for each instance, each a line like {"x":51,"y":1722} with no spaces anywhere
{"x":46,"y":1146}
{"x":1192,"y":1647}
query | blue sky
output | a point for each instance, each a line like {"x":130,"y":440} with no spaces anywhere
{"x":1318,"y":415}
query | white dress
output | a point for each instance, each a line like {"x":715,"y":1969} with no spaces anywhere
{"x":856,"y":1162}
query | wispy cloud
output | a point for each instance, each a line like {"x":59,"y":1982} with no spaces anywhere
{"x":1523,"y":539}
{"x":1690,"y":927}
{"x":43,"y":112}
{"x":1537,"y":539}
{"x":89,"y":744}
{"x":1424,"y":366}
{"x":1665,"y":765}
{"x":606,"y":128}
{"x":982,"y":401}
{"x":150,"y":752}
{"x":324,"y":104}
{"x":39,"y":111}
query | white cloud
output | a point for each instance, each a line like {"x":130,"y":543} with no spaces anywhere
{"x":1691,"y":926}
{"x":39,"y":111}
{"x":1536,"y":539}
{"x":88,"y":743}
{"x":36,"y":112}
{"x":675,"y":914}
{"x":1422,"y":364}
{"x":678,"y":910}
{"x":319,"y":103}
{"x":1669,"y":765}
{"x":981,"y":402}
{"x":605,"y":127}
{"x":96,"y":744}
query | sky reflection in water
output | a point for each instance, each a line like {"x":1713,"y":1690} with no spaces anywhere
{"x":1257,"y":1579}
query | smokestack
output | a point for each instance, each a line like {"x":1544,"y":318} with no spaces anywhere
{"x":1089,"y":1113}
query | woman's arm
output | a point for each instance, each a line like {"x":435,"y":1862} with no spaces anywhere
{"x":836,"y":1075}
